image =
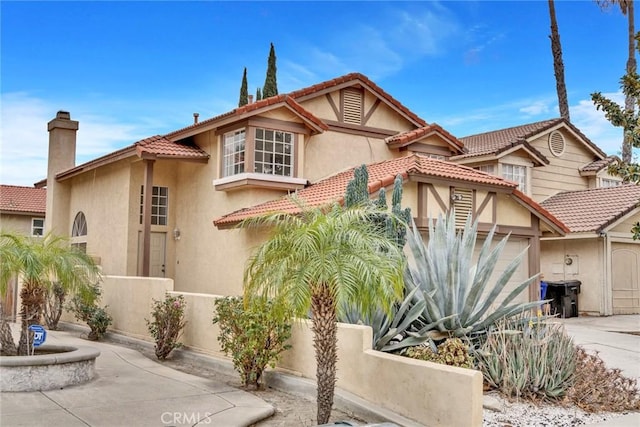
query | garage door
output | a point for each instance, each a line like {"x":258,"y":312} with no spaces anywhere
{"x":625,"y":269}
{"x":513,"y":248}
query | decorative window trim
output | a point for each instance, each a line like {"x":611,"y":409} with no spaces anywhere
{"x":37,"y":227}
{"x":557,"y":143}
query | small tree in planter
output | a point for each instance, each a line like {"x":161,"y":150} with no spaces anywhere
{"x":254,"y":334}
{"x":167,"y":324}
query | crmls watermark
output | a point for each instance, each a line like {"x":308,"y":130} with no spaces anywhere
{"x":182,"y":418}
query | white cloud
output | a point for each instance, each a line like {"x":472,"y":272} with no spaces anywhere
{"x":595,"y":126}
{"x":24,"y":140}
{"x":536,"y":108}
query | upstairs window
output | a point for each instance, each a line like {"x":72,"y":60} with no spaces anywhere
{"x":159,"y":205}
{"x":234,"y":150}
{"x":605,"y":183}
{"x":491,"y":169}
{"x":273,"y":153}
{"x":259,"y":150}
{"x":37,"y":227}
{"x":516,"y":173}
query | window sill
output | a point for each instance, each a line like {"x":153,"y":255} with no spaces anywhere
{"x":258,"y":180}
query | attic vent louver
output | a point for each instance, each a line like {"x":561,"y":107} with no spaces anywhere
{"x":556,"y":143}
{"x":352,"y":106}
{"x":462,"y":204}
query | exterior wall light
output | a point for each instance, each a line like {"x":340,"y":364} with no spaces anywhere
{"x":176,"y":233}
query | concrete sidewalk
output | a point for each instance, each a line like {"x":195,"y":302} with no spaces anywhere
{"x":617,"y":347}
{"x":130,"y":389}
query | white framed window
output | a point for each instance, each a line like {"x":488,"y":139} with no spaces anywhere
{"x":436,"y":156}
{"x":37,"y":227}
{"x":273,"y":152}
{"x":234,"y":152}
{"x":516,"y":173}
{"x":487,"y":168}
{"x":606,"y":183}
{"x":79,"y":232}
{"x":159,"y":205}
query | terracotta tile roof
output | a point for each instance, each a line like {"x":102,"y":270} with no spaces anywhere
{"x":163,"y":147}
{"x":405,"y":138}
{"x":497,"y":141}
{"x":594,"y":209}
{"x":380,"y":175}
{"x":154,"y":145}
{"x":23,"y":199}
{"x":290,"y":99}
{"x":598,"y":165}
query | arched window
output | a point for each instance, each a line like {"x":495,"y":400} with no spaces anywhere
{"x":79,"y":225}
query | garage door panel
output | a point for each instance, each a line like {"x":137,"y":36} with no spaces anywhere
{"x":512,"y":249}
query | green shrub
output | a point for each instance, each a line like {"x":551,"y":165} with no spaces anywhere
{"x":253,"y":335}
{"x":166,"y":324}
{"x":452,"y":352}
{"x":85,"y":308}
{"x":534,"y":359}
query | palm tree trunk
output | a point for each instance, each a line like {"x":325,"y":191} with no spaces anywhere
{"x":325,"y":341}
{"x":558,"y":64}
{"x":6,"y":338}
{"x":32,"y":297}
{"x":629,"y":101}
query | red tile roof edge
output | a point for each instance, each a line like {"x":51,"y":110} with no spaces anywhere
{"x":303,"y":92}
{"x":407,"y":137}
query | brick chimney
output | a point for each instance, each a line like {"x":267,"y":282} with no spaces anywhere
{"x":62,"y":156}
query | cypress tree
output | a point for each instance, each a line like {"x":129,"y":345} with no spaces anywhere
{"x":270,"y":87}
{"x":258,"y":94}
{"x":244,"y":92}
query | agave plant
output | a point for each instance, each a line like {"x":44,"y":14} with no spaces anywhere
{"x":403,"y":327}
{"x":457,"y":287}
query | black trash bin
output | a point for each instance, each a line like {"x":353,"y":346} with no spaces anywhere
{"x":564,"y":297}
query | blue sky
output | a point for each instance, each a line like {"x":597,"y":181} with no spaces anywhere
{"x":129,"y":70}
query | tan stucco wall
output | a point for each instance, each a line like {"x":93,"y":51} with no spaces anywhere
{"x":17,"y":223}
{"x":102,"y":195}
{"x":587,"y":267}
{"x":508,"y":212}
{"x":415,"y":389}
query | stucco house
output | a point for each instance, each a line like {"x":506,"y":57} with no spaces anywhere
{"x":206,"y":176}
{"x":560,"y":168}
{"x":22,"y":211}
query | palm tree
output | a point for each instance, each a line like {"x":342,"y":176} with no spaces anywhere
{"x":323,"y":260}
{"x":40,"y":262}
{"x":626,"y":7}
{"x":558,"y":64}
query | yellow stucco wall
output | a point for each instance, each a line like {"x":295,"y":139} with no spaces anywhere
{"x":509,"y":212}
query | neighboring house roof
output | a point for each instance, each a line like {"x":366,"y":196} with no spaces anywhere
{"x":593,"y":210}
{"x":152,"y":147}
{"x":21,"y":200}
{"x":383,"y":174}
{"x":498,"y":141}
{"x":406,"y":138}
{"x":596,"y":166}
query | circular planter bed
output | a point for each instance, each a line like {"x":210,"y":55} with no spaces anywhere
{"x":52,"y":367}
